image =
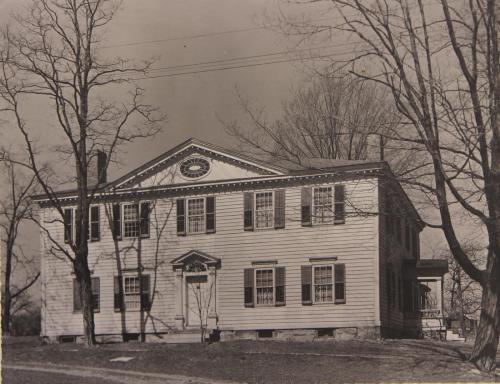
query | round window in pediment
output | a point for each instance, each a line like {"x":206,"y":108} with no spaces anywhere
{"x":194,"y":167}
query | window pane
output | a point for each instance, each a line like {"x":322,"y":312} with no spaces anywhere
{"x":322,"y":205}
{"x":132,"y":290}
{"x":264,"y":211}
{"x":196,"y":215}
{"x":131,"y":220}
{"x":264,"y":286}
{"x":323,"y":284}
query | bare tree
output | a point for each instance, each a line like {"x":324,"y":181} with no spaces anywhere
{"x":52,"y":52}
{"x":202,"y":293}
{"x":14,"y":210}
{"x":441,"y":63}
{"x":333,"y":117}
{"x":463,"y":294}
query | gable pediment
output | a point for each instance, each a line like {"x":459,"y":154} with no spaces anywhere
{"x":193,"y":162}
{"x":194,"y":260}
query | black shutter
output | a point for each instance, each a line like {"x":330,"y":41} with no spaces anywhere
{"x":248,"y":211}
{"x":306,"y":200}
{"x":144,"y":224}
{"x":339,"y":217}
{"x":117,"y":222}
{"x":95,"y":229}
{"x":118,"y":301}
{"x":68,"y":225}
{"x":248,"y":286}
{"x":280,"y":286}
{"x":145,"y":293}
{"x":77,"y":299}
{"x":407,"y":235}
{"x":96,"y":293}
{"x":306,"y":272}
{"x":181,"y":217}
{"x":340,"y":296}
{"x":210,"y":214}
{"x":279,"y":209}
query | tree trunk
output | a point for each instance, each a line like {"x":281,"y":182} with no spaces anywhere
{"x":85,"y":282}
{"x":7,"y":298}
{"x":486,"y":344}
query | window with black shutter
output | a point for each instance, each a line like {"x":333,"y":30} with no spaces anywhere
{"x":339,"y":209}
{"x":306,"y":277}
{"x":340,"y":295}
{"x":306,"y":201}
{"x":68,"y":225}
{"x":279,"y":209}
{"x":95,"y":300}
{"x":210,"y":214}
{"x":117,"y":222}
{"x":280,"y":286}
{"x":181,"y":217}
{"x":144,"y":217}
{"x":94,"y":224}
{"x":248,"y":211}
{"x":145,"y":293}
{"x":118,"y":298}
{"x":248,"y":284}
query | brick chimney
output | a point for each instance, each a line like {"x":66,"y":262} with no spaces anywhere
{"x":101,"y":167}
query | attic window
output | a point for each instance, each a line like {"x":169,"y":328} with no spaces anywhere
{"x":194,"y":167}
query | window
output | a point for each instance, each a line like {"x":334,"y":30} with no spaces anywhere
{"x":132,"y":291}
{"x":196,"y":215}
{"x":133,"y":298}
{"x":323,"y":283}
{"x":135,"y":220}
{"x":264,"y":217}
{"x":131,"y":220}
{"x":77,"y":301}
{"x":94,"y":227}
{"x":68,"y":225}
{"x":322,"y":205}
{"x":264,"y":286}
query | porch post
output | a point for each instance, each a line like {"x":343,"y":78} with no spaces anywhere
{"x":212,"y":311}
{"x":439,"y":294}
{"x":179,"y":313}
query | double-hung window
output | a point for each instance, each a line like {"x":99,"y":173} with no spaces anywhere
{"x":322,"y":205}
{"x":323,"y":284}
{"x":132,"y":292}
{"x":196,"y":215}
{"x":264,"y":210}
{"x":93,"y":230}
{"x":264,"y":286}
{"x":130,"y":220}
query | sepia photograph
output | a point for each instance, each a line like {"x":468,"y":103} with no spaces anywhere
{"x":260,"y":191}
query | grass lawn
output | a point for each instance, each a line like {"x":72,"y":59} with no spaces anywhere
{"x":269,"y":361}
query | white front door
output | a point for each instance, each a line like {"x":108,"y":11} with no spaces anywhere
{"x":197,"y":300}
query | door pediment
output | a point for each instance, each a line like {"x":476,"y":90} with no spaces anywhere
{"x":195,"y":261}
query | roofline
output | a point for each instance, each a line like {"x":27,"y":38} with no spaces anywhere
{"x":184,"y":145}
{"x":372,"y":166}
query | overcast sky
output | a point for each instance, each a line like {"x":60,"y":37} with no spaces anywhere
{"x":187,"y":33}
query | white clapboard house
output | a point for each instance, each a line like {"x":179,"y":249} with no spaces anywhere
{"x":248,"y":249}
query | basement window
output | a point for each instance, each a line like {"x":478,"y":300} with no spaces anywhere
{"x":265,"y":334}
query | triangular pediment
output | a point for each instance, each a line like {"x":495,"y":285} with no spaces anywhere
{"x":192,"y":162}
{"x":192,"y":259}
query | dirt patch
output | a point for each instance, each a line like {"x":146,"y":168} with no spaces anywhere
{"x":271,"y":361}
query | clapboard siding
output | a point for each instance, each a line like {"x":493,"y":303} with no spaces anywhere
{"x":355,"y":243}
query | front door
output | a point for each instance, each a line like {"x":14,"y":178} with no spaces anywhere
{"x":197,"y":300}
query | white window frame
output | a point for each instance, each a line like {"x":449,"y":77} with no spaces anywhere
{"x":271,"y":226}
{"x":332,"y":284}
{"x":320,"y":220}
{"x":273,"y":287}
{"x":204,"y":216}
{"x":132,"y":294}
{"x":123,"y":205}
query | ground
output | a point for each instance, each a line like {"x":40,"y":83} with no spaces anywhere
{"x":27,"y":361}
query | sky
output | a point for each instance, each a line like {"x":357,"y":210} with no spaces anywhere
{"x":187,"y":33}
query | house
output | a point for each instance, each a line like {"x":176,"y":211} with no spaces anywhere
{"x":203,"y":238}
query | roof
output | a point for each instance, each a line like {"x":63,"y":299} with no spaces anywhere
{"x":432,"y":267}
